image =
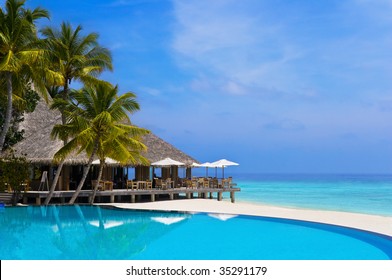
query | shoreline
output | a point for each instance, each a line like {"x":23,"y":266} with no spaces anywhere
{"x":332,"y":209}
{"x":367,"y":222}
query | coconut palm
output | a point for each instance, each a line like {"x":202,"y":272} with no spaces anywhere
{"x":123,"y":148}
{"x":74,"y":57}
{"x":21,"y":54}
{"x":96,"y":123}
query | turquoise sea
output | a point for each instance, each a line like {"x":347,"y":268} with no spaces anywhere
{"x":369,"y":194}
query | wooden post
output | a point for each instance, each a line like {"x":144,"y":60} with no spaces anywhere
{"x":171,"y":196}
{"x":38,"y":200}
{"x":232,"y":196}
{"x":112,"y":198}
{"x":188,"y":172}
{"x":211,"y":195}
{"x":133,"y":198}
{"x":219,"y":196}
{"x":152,"y":197}
{"x":188,"y":195}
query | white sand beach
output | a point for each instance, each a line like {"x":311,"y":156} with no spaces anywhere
{"x":379,"y":224}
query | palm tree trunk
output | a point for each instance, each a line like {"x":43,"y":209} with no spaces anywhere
{"x":8,"y":113}
{"x":101,"y":164}
{"x":64,"y":121}
{"x":85,"y":172}
{"x":54,"y":183}
{"x":60,"y":167}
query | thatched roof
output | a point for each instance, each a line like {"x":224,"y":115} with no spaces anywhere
{"x":38,"y":147}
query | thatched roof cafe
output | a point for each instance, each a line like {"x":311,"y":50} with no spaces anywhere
{"x":39,"y":149}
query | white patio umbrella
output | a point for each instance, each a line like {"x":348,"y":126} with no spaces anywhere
{"x":206,"y":165}
{"x":108,"y":161}
{"x":167,"y":162}
{"x":223,"y":163}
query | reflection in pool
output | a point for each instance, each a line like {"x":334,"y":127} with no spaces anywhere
{"x":92,"y":232}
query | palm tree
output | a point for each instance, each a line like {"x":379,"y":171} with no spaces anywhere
{"x":74,"y":57}
{"x":20,"y":52}
{"x":96,"y":122}
{"x":124,"y":148}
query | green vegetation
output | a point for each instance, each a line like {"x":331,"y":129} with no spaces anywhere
{"x":94,"y":119}
{"x":14,"y":174}
{"x":24,"y":104}
{"x":97,"y":123}
{"x":21,"y":55}
{"x":73,"y":56}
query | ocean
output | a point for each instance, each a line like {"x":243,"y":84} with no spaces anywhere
{"x":367,"y":194}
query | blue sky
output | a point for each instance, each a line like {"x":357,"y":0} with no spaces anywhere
{"x":278,"y":86}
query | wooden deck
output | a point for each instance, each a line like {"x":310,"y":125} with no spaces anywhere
{"x":131,"y":196}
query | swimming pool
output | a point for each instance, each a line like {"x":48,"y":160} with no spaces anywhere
{"x":92,"y":232}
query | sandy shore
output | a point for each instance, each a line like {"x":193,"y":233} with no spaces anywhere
{"x":372,"y":223}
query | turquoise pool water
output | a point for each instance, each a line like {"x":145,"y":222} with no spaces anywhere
{"x":91,"y":232}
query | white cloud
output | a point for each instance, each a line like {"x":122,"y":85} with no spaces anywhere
{"x":241,"y":47}
{"x":150,"y":91}
{"x":234,"y":43}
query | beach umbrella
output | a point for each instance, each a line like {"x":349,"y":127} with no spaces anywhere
{"x":206,"y":165}
{"x":167,"y":162}
{"x":108,"y":161}
{"x":223,"y":163}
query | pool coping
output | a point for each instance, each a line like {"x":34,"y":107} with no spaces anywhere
{"x":371,"y":223}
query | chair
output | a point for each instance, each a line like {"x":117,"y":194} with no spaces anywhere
{"x":141,"y":185}
{"x":206,"y":183}
{"x":149,"y":184}
{"x":168,"y":183}
{"x":128,"y":184}
{"x":214,"y":183}
{"x":194,"y":183}
{"x":225,"y":183}
{"x":94,"y":184}
{"x":180,"y":182}
{"x":229,"y":182}
{"x":188,"y":183}
{"x":108,"y":185}
{"x":158,"y":183}
{"x":132,"y":184}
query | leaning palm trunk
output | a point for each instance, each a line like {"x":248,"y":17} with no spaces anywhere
{"x":8,"y":114}
{"x":85,"y":172}
{"x":54,"y":183}
{"x":101,"y":164}
{"x":60,"y":167}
